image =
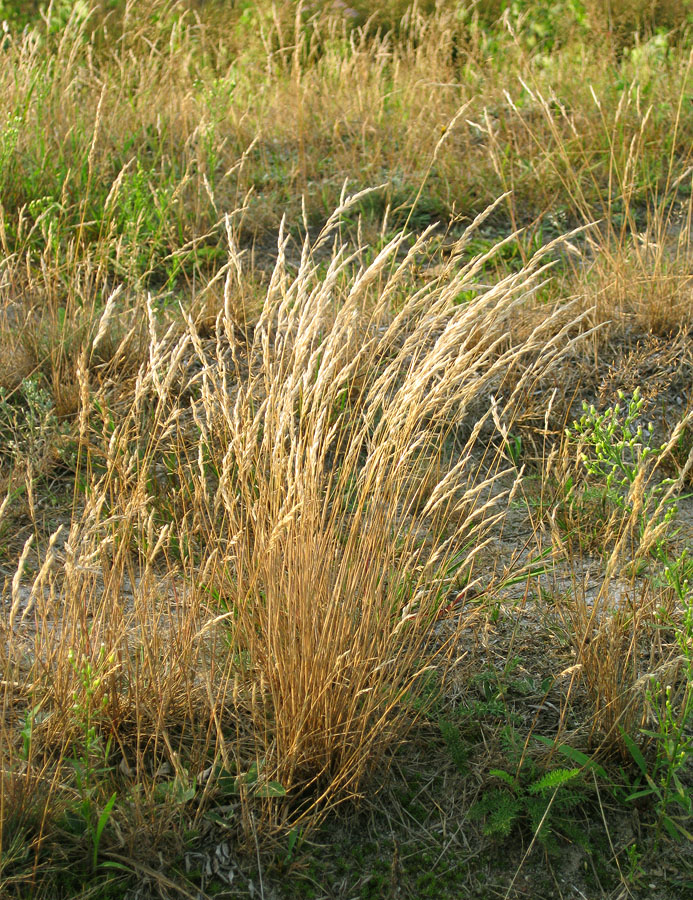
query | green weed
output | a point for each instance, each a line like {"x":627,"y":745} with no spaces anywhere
{"x":665,"y":780}
{"x":29,"y":428}
{"x":90,"y":761}
{"x":527,"y":796}
{"x":620,"y":461}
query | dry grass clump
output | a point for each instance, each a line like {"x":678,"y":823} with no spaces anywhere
{"x":620,"y":650}
{"x":338,"y":568}
{"x":255,"y":574}
{"x":643,"y":282}
{"x":634,"y":266}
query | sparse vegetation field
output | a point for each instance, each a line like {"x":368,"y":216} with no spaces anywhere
{"x":346,"y":449}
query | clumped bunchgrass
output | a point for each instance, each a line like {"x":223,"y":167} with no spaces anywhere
{"x":298,"y":307}
{"x":262,"y":554}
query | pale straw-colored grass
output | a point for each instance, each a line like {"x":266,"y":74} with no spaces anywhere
{"x":270,"y":531}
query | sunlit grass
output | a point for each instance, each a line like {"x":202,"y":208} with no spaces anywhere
{"x":266,"y":426}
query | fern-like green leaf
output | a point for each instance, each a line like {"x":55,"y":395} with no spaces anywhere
{"x":509,"y":779}
{"x":501,"y":820}
{"x":540,"y":820}
{"x":488,"y":802}
{"x":455,"y":744}
{"x":553,"y":780}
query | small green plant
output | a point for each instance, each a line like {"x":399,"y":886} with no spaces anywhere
{"x":618,"y":454}
{"x":293,"y":844}
{"x":634,"y":870}
{"x":9,"y":135}
{"x":145,"y":214}
{"x":28,"y":423}
{"x":498,"y":690}
{"x":30,"y":719}
{"x":525,"y":795}
{"x":250,"y":783}
{"x":90,"y":761}
{"x":457,"y":747}
{"x":513,"y":447}
{"x":664,"y":780}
